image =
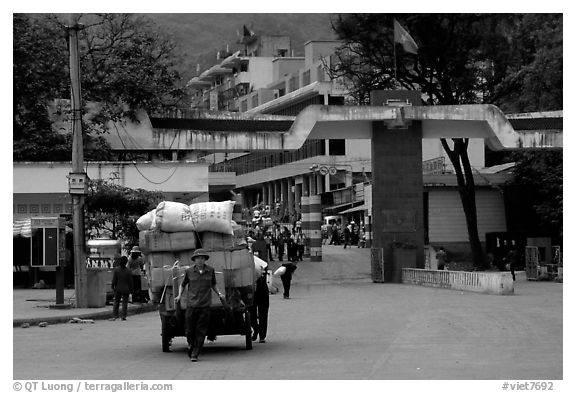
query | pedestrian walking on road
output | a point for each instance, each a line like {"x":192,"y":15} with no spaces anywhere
{"x":135,"y":264}
{"x":280,"y":247}
{"x":122,"y":285}
{"x":201,"y":280}
{"x":268,"y":240}
{"x":259,"y":310}
{"x":300,"y":244}
{"x":287,"y":278}
{"x":347,"y":234}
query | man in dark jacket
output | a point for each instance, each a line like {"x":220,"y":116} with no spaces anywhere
{"x":259,"y":310}
{"x":122,"y":285}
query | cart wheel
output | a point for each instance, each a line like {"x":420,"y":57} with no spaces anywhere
{"x":248,"y":329}
{"x":166,"y":337}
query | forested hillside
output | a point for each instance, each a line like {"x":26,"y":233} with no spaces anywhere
{"x":201,"y":36}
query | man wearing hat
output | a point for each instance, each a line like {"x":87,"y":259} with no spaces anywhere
{"x":201,"y":280}
{"x":135,"y":264}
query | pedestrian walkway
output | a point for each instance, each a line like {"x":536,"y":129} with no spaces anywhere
{"x":35,"y":305}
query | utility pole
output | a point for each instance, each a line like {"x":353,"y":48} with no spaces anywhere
{"x":77,"y":179}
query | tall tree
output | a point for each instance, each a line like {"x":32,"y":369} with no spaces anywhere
{"x":126,"y":65}
{"x":533,"y":77}
{"x":112,"y":210}
{"x":537,"y":183}
{"x":462,"y":59}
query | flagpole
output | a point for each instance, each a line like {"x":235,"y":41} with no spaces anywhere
{"x":395,"y":76}
{"x":394,"y":45}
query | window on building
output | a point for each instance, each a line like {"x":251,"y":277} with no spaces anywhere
{"x":244,"y":67}
{"x":243,"y":106}
{"x":337,"y":147}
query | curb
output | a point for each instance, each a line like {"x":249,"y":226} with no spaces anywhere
{"x":97,"y":315}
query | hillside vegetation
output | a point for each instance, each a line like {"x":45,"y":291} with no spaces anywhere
{"x":201,"y":36}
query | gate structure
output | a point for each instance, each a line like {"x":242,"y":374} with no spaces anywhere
{"x":395,"y":124}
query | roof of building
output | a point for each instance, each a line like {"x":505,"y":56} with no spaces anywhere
{"x":533,"y":124}
{"x":159,"y":123}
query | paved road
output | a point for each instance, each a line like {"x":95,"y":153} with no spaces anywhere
{"x":353,"y":330}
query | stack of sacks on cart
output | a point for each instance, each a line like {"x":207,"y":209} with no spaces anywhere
{"x":168,"y":237}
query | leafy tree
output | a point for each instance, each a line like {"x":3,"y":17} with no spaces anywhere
{"x":533,"y":77}
{"x":112,"y":210}
{"x":126,"y":65}
{"x":462,"y":59}
{"x":538,"y":176}
{"x":38,"y":76}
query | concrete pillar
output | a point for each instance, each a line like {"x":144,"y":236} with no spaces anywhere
{"x":315,"y":227}
{"x":270,"y":200}
{"x":397,"y":206}
{"x":320,"y":184}
{"x":312,"y":187}
{"x":306,"y":224}
{"x":290,"y":187}
{"x":277,"y":191}
{"x":297,"y":197}
{"x":305,"y":185}
{"x":264,"y":193}
{"x":238,"y":206}
{"x":284,"y":191}
{"x":368,"y":229}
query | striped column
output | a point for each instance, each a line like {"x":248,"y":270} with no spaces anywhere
{"x":368,"y":230}
{"x":290,"y":187}
{"x":277,"y":191}
{"x":305,"y":185}
{"x":264,"y":194}
{"x":315,"y":227}
{"x":312,"y":186}
{"x":237,"y":211}
{"x":306,"y":224}
{"x":270,"y":201}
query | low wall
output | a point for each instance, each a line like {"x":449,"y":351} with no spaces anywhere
{"x":496,"y":283}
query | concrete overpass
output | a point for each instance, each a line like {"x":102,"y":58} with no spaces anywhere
{"x":229,"y":132}
{"x":396,"y":133}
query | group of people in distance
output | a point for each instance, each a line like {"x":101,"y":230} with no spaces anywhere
{"x":349,"y":235}
{"x":281,"y":242}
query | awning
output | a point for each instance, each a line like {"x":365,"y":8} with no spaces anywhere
{"x":336,"y":207}
{"x":22,"y":228}
{"x":354,"y":209}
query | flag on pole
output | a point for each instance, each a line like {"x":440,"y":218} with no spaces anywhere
{"x":401,"y":36}
{"x":247,"y":32}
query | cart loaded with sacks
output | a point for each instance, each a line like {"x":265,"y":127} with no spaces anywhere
{"x":169,"y":235}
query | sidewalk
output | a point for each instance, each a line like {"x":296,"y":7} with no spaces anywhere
{"x":33,"y":306}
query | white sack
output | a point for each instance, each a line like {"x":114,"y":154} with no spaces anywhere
{"x":280,"y":271}
{"x":259,"y":265}
{"x":173,"y":217}
{"x":212,"y":216}
{"x":144,"y":223}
